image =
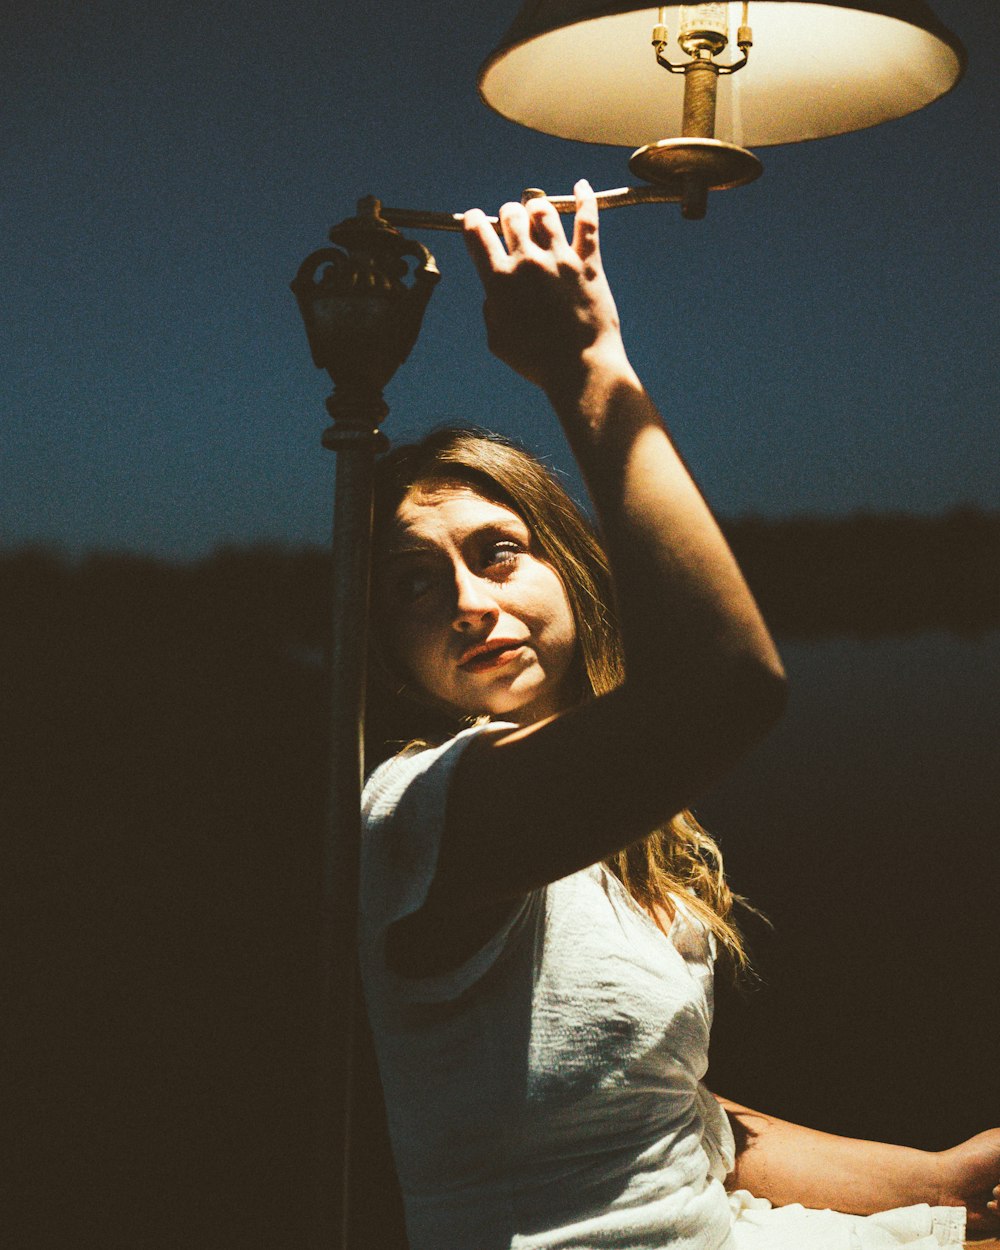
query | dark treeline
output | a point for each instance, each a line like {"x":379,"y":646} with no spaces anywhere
{"x":873,"y":575}
{"x":164,"y":736}
{"x":867,"y":575}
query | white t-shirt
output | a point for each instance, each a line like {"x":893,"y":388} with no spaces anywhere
{"x":548,"y":1091}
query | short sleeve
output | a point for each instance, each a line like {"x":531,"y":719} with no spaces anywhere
{"x":403,"y":815}
{"x":717,"y":1134}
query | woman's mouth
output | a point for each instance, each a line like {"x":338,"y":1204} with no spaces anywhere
{"x":489,"y":655}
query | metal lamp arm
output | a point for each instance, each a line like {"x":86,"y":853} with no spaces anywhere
{"x":617,"y":197}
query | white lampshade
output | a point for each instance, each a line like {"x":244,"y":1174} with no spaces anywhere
{"x":585,"y":69}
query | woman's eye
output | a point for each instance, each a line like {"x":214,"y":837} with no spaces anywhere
{"x":502,"y":552}
{"x":409,"y":586}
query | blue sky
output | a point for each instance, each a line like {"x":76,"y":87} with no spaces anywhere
{"x":823,"y":342}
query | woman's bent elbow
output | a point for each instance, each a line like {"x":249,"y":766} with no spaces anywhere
{"x":770,"y":693}
{"x":747,"y":679}
{"x":751,"y":697}
{"x":713,"y":722}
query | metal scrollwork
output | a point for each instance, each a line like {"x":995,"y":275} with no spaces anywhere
{"x":361,"y":316}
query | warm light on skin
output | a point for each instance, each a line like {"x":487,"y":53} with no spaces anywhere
{"x":460,"y":573}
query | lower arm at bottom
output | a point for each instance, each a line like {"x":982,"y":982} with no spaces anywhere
{"x":788,"y":1163}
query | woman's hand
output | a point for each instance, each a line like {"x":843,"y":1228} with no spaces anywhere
{"x":549,"y":311}
{"x":970,"y":1178}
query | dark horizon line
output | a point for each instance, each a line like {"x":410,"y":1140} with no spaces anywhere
{"x":862,"y":575}
{"x":969,"y":513}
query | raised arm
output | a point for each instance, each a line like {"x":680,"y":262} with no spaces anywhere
{"x":703,"y":681}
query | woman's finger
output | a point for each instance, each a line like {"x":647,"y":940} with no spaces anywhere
{"x":545,"y":226}
{"x":585,"y":233}
{"x":515,"y":226}
{"x":484,"y":247}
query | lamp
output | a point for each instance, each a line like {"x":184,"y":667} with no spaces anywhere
{"x":804,"y":69}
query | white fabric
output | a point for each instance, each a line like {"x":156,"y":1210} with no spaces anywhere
{"x":546,"y":1094}
{"x":759,"y":1226}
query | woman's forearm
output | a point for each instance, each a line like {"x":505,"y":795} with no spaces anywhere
{"x":787,"y":1163}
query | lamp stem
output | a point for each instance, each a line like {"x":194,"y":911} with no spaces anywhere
{"x":701,"y":83}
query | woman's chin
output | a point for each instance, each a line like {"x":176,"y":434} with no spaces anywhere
{"x":522,"y":697}
{"x":526,"y":707}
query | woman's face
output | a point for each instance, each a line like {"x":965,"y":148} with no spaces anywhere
{"x":472,"y":613}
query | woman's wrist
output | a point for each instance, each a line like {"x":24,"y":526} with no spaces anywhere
{"x":968,"y":1175}
{"x":586,"y":385}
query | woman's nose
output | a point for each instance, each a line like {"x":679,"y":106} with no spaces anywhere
{"x":474,"y":601}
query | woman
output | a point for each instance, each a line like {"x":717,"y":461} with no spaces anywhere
{"x":539,"y":915}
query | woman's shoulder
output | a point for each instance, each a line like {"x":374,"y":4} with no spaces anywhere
{"x":432,"y":762}
{"x":392,"y":775}
{"x":405,"y":801}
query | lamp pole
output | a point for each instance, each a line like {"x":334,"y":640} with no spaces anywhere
{"x":362,"y":319}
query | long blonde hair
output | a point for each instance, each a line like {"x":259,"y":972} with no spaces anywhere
{"x":679,"y":861}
